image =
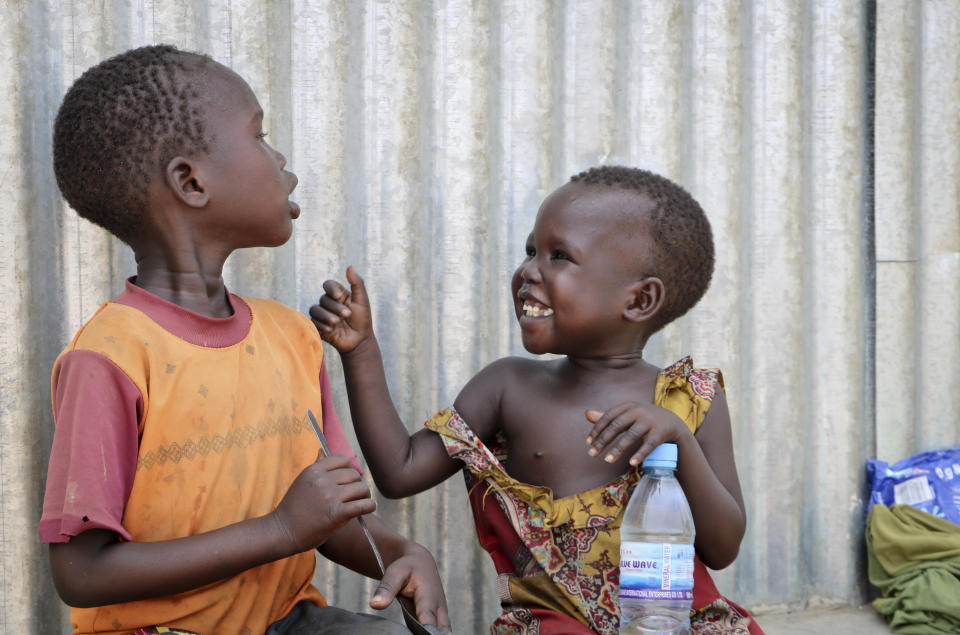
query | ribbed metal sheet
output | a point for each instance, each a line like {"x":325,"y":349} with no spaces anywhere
{"x":822,"y":138}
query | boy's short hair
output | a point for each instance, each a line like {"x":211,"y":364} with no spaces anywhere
{"x":119,"y":122}
{"x":684,"y":256}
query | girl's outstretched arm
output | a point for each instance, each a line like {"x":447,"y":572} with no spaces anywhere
{"x":705,"y":466}
{"x":401,"y":464}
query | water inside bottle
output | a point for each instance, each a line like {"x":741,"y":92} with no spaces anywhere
{"x":656,"y":625}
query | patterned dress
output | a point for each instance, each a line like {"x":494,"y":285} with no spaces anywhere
{"x":558,"y":558}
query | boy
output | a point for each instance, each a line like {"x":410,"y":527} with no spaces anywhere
{"x":186,"y":488}
{"x":550,"y":448}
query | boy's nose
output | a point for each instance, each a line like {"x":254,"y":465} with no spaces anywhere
{"x":281,"y":160}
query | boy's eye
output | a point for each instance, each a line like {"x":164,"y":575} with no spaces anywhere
{"x":262,"y":135}
{"x":559,"y":255}
{"x":531,"y":252}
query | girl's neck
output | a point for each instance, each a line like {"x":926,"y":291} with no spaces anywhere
{"x":625,"y":363}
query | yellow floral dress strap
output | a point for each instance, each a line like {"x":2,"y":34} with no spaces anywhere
{"x":687,"y":391}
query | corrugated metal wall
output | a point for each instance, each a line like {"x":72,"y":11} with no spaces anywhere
{"x":822,"y":137}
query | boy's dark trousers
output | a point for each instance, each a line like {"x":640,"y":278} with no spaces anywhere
{"x":307,"y":618}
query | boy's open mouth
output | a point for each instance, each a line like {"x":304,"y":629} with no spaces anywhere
{"x":532,"y":308}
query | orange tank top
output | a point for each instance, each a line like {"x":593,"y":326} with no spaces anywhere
{"x":223,"y":434}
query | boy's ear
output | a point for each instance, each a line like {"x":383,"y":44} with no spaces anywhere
{"x":646,"y":299}
{"x":185,"y":181}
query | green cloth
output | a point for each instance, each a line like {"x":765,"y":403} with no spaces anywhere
{"x":914,"y":559}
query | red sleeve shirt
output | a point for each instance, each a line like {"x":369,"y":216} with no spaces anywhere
{"x":97,"y":409}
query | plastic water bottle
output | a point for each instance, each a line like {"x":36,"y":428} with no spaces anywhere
{"x":656,"y":551}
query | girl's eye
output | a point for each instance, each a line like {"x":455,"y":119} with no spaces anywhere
{"x":559,"y":255}
{"x":531,"y":252}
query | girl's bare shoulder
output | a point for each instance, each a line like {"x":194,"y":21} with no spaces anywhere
{"x":483,"y":394}
{"x":510,"y":371}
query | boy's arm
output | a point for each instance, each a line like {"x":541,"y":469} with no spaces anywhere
{"x":410,"y":569}
{"x":95,"y":568}
{"x":705,"y":467}
{"x":401,"y":464}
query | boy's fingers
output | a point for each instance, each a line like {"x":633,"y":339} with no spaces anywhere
{"x":335,"y":461}
{"x":443,"y":618}
{"x":428,"y":601}
{"x":345,"y":476}
{"x":427,"y":614}
{"x":354,"y":492}
{"x":431,"y":609}
{"x":393,"y":579}
{"x":359,"y":507}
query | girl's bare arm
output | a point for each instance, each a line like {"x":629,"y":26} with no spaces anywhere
{"x":708,"y":474}
{"x":401,"y":464}
{"x":705,"y":466}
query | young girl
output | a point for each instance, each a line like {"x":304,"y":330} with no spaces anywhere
{"x":615,"y":255}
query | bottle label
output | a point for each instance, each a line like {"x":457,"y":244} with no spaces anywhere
{"x":656,"y":571}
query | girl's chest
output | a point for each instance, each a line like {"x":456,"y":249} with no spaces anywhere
{"x":546,"y":442}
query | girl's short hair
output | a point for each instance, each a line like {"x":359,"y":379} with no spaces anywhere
{"x":684,"y":255}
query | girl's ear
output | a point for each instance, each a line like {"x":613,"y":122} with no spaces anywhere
{"x":185,"y":181}
{"x":646,"y":299}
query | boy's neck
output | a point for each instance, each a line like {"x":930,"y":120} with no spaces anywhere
{"x":196,"y":291}
{"x":179,"y":263}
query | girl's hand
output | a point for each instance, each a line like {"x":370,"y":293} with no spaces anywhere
{"x":343,"y":317}
{"x":632,"y":427}
{"x":414,"y":576}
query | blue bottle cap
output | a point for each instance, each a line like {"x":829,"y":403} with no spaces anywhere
{"x":664,"y":455}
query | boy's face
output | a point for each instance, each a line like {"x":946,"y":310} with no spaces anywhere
{"x":250,"y":189}
{"x":588,"y":245}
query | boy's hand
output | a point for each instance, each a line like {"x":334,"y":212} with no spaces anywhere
{"x":323,"y":498}
{"x":637,"y":427}
{"x":343,"y":317}
{"x":414,"y":575}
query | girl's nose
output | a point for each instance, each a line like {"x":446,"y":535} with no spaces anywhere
{"x":530,"y":271}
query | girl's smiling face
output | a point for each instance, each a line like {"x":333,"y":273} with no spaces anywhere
{"x":588,"y":245}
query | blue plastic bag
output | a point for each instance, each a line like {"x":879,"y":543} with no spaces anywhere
{"x":929,"y":481}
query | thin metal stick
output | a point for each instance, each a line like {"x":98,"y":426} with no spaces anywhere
{"x":408,"y":616}
{"x":363,"y":524}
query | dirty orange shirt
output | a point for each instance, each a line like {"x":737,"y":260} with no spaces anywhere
{"x":222,"y":434}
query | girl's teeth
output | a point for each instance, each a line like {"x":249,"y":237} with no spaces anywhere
{"x":536,"y":311}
